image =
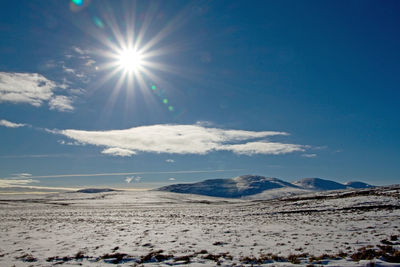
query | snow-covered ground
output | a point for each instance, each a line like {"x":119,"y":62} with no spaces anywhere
{"x":155,"y":228}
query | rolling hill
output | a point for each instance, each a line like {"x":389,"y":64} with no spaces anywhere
{"x":250,"y":185}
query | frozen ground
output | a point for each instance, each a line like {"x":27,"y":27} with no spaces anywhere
{"x":154,"y":228}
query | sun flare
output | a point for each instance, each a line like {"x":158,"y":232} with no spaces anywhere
{"x":133,"y":58}
{"x":130,"y":60}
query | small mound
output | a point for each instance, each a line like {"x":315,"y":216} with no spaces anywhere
{"x":95,"y":190}
{"x":358,"y":185}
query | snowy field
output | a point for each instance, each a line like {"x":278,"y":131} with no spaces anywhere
{"x":151,"y":228}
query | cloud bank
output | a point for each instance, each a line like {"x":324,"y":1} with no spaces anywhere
{"x":33,"y":89}
{"x":181,"y":139}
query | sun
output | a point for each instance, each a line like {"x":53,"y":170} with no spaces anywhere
{"x":130,"y":59}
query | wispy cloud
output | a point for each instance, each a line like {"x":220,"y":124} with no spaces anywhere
{"x":35,"y":156}
{"x":90,"y":63}
{"x":320,"y":147}
{"x":128,"y":173}
{"x":116,"y":151}
{"x":182,"y":139}
{"x":23,"y":175}
{"x":16,"y":182}
{"x":79,"y":50}
{"x":63,"y":142}
{"x":61,"y":103}
{"x":79,"y":65}
{"x":170,"y":160}
{"x":10,"y":124}
{"x":309,"y":155}
{"x":33,"y":89}
{"x":129,"y":179}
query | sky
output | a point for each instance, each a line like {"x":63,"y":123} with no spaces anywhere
{"x":140,"y":94}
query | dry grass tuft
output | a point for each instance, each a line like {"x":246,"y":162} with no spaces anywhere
{"x":27,"y":258}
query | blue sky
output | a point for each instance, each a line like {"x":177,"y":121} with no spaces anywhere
{"x":286,"y":89}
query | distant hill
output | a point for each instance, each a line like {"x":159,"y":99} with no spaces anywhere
{"x":255,"y":185}
{"x":95,"y":190}
{"x":319,"y":184}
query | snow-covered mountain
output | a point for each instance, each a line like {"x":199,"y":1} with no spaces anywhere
{"x":252,"y":185}
{"x":233,"y":187}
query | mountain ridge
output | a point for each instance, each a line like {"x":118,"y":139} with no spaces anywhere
{"x":250,"y":185}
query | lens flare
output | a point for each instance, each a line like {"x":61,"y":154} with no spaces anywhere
{"x":77,"y":2}
{"x":98,"y":22}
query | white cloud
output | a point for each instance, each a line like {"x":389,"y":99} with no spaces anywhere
{"x":77,"y":73}
{"x":10,"y":124}
{"x":172,"y":179}
{"x":79,"y":50}
{"x":170,"y":160}
{"x":68,"y":70}
{"x":79,"y":65}
{"x":61,"y":103}
{"x":181,"y":139}
{"x":309,"y":155}
{"x":90,"y":63}
{"x":16,"y":182}
{"x":33,"y":89}
{"x":116,"y":151}
{"x":129,"y":179}
{"x":63,"y":142}
{"x":30,"y":88}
